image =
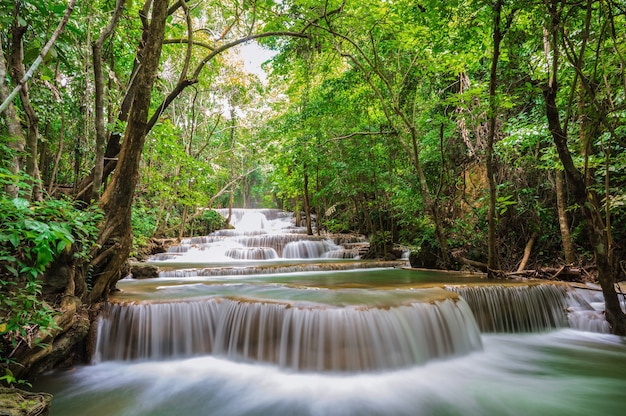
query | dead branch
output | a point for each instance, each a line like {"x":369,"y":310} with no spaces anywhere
{"x":527,"y":251}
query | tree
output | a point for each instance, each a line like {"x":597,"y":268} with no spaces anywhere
{"x":115,"y":238}
{"x":595,"y":116}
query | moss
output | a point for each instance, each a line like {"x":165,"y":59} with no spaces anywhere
{"x":16,"y":402}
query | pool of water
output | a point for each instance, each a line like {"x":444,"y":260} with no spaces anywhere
{"x":564,"y":372}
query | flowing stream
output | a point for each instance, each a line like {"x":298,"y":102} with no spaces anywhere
{"x":264,"y":320}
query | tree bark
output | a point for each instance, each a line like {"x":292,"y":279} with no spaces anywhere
{"x":561,"y":203}
{"x":493,"y":257}
{"x":32,"y":133}
{"x":99,"y":99}
{"x":115,"y":238}
{"x":16,"y":141}
{"x":307,"y":203}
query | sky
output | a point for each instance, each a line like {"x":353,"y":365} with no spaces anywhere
{"x":253,"y":56}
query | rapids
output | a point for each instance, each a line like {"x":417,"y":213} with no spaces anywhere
{"x":264,"y":320}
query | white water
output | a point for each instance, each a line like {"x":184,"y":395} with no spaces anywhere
{"x":300,"y":338}
{"x":255,"y":237}
{"x":568,"y":373}
{"x":222,"y":341}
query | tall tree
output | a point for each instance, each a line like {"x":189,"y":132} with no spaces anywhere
{"x":115,"y":237}
{"x":99,"y":99}
{"x":585,"y":192}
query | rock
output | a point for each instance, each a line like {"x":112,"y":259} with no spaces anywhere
{"x":426,"y":257}
{"x":144,"y":271}
{"x":59,"y":275}
{"x":16,"y":402}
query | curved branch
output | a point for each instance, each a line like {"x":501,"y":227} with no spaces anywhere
{"x":184,"y":83}
{"x":42,"y":54}
{"x":184,"y":41}
{"x":239,"y":41}
{"x":183,"y":73}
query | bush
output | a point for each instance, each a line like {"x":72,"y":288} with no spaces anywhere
{"x":32,"y":236}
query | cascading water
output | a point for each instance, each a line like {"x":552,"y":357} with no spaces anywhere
{"x":295,"y":337}
{"x":262,"y":319}
{"x":517,"y":308}
{"x":255,"y":237}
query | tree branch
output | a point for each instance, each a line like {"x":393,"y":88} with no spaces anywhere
{"x":42,"y":54}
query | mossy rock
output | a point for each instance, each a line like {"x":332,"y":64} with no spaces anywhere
{"x":16,"y":402}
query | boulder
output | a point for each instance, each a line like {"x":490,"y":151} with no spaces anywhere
{"x":144,"y":271}
{"x":427,"y":257}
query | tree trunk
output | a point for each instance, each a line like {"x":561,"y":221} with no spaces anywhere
{"x":493,"y":257}
{"x":431,"y":207}
{"x":183,"y":221}
{"x":16,"y":141}
{"x":57,"y":158}
{"x":84,"y":188}
{"x":561,"y":203}
{"x":32,"y":135}
{"x":231,"y":193}
{"x":99,"y":100}
{"x":585,"y":197}
{"x":115,"y":238}
{"x":307,"y":203}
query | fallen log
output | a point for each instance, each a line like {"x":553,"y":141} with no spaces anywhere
{"x":570,"y":274}
{"x":473,"y":263}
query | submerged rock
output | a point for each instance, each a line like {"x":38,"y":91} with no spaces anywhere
{"x":15,"y":402}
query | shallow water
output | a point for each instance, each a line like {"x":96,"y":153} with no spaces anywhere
{"x":563,"y":372}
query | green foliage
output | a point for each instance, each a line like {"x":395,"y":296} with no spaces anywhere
{"x":9,"y":379}
{"x":381,"y":243}
{"x":208,"y":222}
{"x":32,"y":236}
{"x":143,"y":220}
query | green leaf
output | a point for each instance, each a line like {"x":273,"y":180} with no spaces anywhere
{"x":21,"y":203}
{"x":15,"y":240}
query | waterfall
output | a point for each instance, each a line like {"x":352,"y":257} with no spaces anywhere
{"x":252,"y":253}
{"x":284,"y":245}
{"x":586,"y":311}
{"x":309,"y":338}
{"x":514,"y":308}
{"x":305,"y":249}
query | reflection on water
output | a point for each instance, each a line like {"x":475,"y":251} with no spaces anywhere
{"x":565,"y":373}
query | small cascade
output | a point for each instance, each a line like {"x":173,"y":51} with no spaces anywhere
{"x":252,"y":253}
{"x":218,"y":247}
{"x":516,"y":308}
{"x":298,"y":337}
{"x":278,"y":242}
{"x":585,"y":311}
{"x":307,"y":249}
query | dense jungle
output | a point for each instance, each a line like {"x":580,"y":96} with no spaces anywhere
{"x":483,"y":136}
